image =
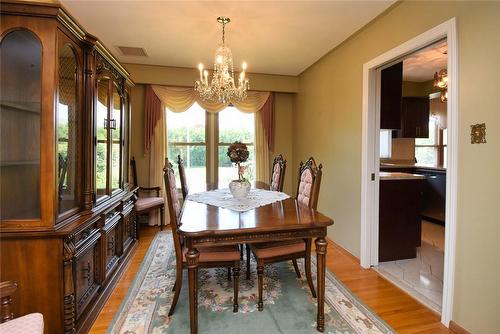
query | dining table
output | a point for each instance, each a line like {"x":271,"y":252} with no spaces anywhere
{"x":208,"y":225}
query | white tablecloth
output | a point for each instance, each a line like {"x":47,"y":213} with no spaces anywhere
{"x":222,"y":198}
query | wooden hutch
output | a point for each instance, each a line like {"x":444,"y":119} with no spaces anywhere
{"x":67,"y":219}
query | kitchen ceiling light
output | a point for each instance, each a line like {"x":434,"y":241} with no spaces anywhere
{"x":441,"y":82}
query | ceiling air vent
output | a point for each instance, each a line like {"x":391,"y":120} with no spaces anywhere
{"x":132,"y":51}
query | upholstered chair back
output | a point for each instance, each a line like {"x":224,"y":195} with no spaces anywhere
{"x":182,"y":176}
{"x":174,"y":206}
{"x":309,"y":183}
{"x":278,"y":174}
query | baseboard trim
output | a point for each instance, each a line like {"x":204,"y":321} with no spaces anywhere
{"x":456,"y":328}
{"x":343,"y":250}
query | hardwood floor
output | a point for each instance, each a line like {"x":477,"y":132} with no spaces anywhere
{"x":398,"y":309}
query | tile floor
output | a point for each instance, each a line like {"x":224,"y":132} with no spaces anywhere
{"x":421,"y":277}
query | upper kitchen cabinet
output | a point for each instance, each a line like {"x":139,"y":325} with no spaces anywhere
{"x":414,"y":117}
{"x":391,"y":92}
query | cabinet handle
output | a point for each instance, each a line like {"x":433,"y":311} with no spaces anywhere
{"x":106,"y":123}
{"x":113,"y":124}
{"x":86,"y":272}
{"x":432,"y":176}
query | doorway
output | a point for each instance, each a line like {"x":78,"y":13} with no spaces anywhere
{"x":370,"y":229}
{"x":412,"y":188}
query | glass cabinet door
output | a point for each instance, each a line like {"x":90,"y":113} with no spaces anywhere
{"x":102,"y":135}
{"x":116,"y":140}
{"x":126,"y":140}
{"x":66,"y":118}
{"x":20,"y":108}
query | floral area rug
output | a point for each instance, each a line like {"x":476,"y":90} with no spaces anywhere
{"x":288,"y":304}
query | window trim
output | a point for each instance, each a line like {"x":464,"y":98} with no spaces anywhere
{"x":439,"y":146}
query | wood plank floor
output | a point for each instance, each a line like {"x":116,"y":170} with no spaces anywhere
{"x":398,"y":309}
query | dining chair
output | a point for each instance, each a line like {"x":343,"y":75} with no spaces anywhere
{"x":278,"y":174}
{"x":146,"y":204}
{"x":182,"y":176}
{"x":210,"y":257}
{"x":31,"y":323}
{"x":270,"y":252}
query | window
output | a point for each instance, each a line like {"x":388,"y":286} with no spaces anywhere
{"x":202,"y":140}
{"x":186,"y":136}
{"x":235,"y":125}
{"x":385,"y":143}
{"x":432,"y":150}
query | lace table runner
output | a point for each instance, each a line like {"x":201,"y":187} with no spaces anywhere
{"x":222,"y":198}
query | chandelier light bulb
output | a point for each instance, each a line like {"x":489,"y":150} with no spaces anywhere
{"x":200,"y":67}
{"x":244,"y":66}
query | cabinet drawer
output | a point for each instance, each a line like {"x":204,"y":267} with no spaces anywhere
{"x":87,"y":272}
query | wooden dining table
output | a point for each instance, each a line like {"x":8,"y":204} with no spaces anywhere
{"x":207,"y":225}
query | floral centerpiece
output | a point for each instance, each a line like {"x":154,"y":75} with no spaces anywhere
{"x":238,"y":153}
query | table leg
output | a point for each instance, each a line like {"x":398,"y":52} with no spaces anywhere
{"x":192,"y":257}
{"x":321,"y":265}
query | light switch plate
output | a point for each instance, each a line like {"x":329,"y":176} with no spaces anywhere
{"x":478,"y":133}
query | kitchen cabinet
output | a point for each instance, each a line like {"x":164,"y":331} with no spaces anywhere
{"x":400,"y":224}
{"x":391,"y":92}
{"x":414,"y":117}
{"x":434,"y":200}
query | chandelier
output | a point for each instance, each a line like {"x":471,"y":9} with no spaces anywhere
{"x":441,"y":82}
{"x":222,"y":87}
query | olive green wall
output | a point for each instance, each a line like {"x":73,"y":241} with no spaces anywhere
{"x":327,"y":124}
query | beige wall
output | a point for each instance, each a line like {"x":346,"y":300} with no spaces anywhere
{"x":180,"y":76}
{"x":327,"y":124}
{"x":282,"y":144}
{"x":283,"y":113}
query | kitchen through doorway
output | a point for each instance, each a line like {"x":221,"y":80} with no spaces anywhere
{"x":371,"y":161}
{"x":412,"y":186}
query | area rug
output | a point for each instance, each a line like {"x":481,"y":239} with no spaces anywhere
{"x":288,"y":304}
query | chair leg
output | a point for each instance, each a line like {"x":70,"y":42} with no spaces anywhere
{"x":307,"y":264}
{"x":175,"y":284}
{"x":241,"y":251}
{"x":229,"y":273}
{"x":260,"y":275}
{"x":178,"y":287}
{"x":248,"y":261}
{"x":296,"y":267}
{"x":162,"y":217}
{"x":236,"y":282}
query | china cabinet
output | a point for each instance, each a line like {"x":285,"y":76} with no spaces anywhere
{"x":67,"y":218}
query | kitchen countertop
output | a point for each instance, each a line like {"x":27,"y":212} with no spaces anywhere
{"x":388,"y":176}
{"x":411,"y":165}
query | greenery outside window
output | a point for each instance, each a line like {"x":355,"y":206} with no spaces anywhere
{"x":202,"y":138}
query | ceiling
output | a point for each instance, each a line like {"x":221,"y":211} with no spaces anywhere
{"x":422,"y":65}
{"x":274,"y":37}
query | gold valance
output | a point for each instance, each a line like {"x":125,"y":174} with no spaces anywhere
{"x":179,"y":99}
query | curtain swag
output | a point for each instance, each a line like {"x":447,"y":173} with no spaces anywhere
{"x":179,"y":99}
